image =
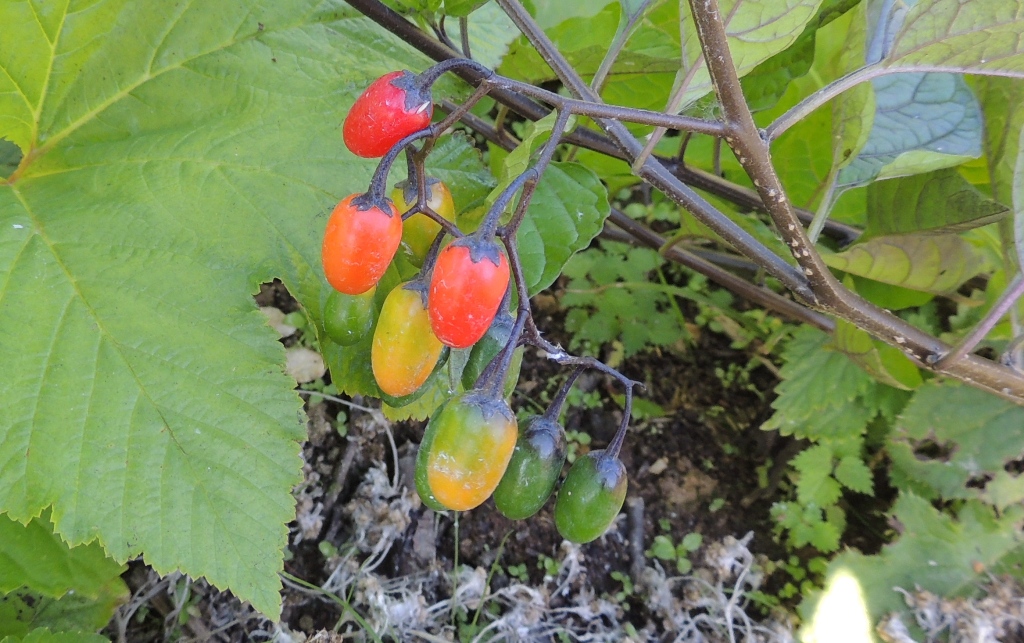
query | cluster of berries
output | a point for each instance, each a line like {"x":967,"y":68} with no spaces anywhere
{"x":473,"y":447}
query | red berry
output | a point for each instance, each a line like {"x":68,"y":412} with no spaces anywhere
{"x":389,"y":110}
{"x":466,"y":288}
{"x":360,"y":241}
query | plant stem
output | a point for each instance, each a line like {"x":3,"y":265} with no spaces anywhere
{"x":490,"y":225}
{"x":1002,"y":306}
{"x":652,"y":171}
{"x":620,"y":436}
{"x":618,"y":43}
{"x":804,"y":108}
{"x":379,"y":181}
{"x":828,"y":294}
{"x":555,"y":408}
{"x":645,"y":236}
{"x":464,"y":37}
{"x":590,"y":108}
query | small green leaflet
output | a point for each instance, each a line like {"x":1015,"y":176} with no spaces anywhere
{"x":807,"y":409}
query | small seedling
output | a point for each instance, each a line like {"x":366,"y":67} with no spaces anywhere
{"x":664,"y":549}
{"x":627,"y":587}
{"x":518,"y":572}
{"x":577,"y":443}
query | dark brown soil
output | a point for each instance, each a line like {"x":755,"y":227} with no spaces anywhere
{"x":696,"y":470}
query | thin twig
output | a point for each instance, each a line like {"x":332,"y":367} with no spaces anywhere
{"x":804,"y":108}
{"x":618,"y":43}
{"x":752,"y":152}
{"x":816,"y":286}
{"x":464,"y":36}
{"x":646,"y":237}
{"x":1002,"y":306}
{"x":652,"y":171}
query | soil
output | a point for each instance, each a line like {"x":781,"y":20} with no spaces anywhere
{"x":696,"y":470}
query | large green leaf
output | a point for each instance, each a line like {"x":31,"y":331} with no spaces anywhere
{"x":766,"y":83}
{"x":922,"y":122}
{"x":941,"y":201}
{"x":980,"y":36}
{"x":931,"y":263}
{"x":950,"y":435}
{"x":178,"y":156}
{"x":757,"y":30}
{"x":934,"y":552}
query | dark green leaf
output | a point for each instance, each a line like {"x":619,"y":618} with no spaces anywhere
{"x":23,"y":612}
{"x":43,"y":582}
{"x":950,"y":435}
{"x":44,"y":635}
{"x":806,"y":406}
{"x":33,"y":556}
{"x":567,"y":211}
{"x":934,"y":552}
{"x":941,"y":201}
{"x":10,"y":156}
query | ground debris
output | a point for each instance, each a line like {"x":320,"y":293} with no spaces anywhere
{"x":996,"y":615}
